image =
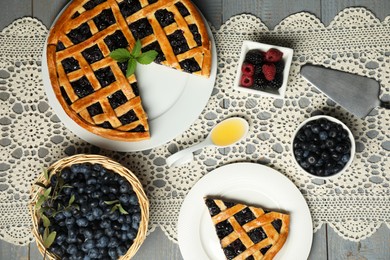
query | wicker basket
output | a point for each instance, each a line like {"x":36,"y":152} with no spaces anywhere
{"x":108,"y":164}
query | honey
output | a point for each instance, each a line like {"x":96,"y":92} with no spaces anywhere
{"x":228,"y":132}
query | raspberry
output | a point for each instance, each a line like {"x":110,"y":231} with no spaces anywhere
{"x":248,"y":69}
{"x":254,"y":57}
{"x":269,"y":71}
{"x":273,"y":55}
{"x":246,"y":81}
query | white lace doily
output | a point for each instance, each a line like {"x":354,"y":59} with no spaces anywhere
{"x":355,"y":204}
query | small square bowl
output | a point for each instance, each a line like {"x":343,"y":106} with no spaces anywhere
{"x":350,"y":137}
{"x":287,"y":58}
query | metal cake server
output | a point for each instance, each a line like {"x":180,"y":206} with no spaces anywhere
{"x":357,"y":94}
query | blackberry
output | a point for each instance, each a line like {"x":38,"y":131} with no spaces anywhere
{"x":254,"y":57}
{"x":276,"y":83}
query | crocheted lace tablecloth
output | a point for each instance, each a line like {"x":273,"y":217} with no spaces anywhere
{"x":355,"y":204}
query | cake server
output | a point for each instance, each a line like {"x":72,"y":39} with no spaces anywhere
{"x":357,"y":94}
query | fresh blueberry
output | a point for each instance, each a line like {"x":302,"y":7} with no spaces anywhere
{"x":323,"y":135}
{"x":59,"y":216}
{"x":133,"y":199}
{"x":124,"y":199}
{"x":136,"y":218}
{"x":131,"y":233}
{"x":72,"y":249}
{"x":345,"y":158}
{"x":96,"y":194}
{"x":87,"y":245}
{"x":93,"y":253}
{"x":88,"y":233}
{"x":70,"y":221}
{"x":105,"y":189}
{"x":121,"y":219}
{"x":113,"y":242}
{"x":114,"y":215}
{"x":125,"y":187}
{"x":109,"y":232}
{"x":60,"y":238}
{"x":82,"y":222}
{"x":102,"y":242}
{"x":91,"y":181}
{"x":312,"y":160}
{"x":336,"y":156}
{"x":112,"y":253}
{"x":105,"y":223}
{"x":65,"y":173}
{"x":305,"y":164}
{"x":98,"y":233}
{"x":90,"y":216}
{"x":121,"y":250}
{"x":89,"y":189}
{"x":97,"y":212}
{"x":115,"y":225}
{"x":57,"y":250}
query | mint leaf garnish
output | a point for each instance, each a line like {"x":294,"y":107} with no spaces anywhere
{"x":147,"y":57}
{"x":123,"y":55}
{"x":131,"y":65}
{"x":137,"y":49}
{"x":120,"y":55}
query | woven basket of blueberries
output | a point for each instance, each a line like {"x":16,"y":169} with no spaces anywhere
{"x":323,"y":146}
{"x":88,"y":207}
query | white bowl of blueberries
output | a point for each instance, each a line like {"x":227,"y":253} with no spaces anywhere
{"x":323,"y":147}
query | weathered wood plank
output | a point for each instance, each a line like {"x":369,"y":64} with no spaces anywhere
{"x":47,"y":10}
{"x":212,"y":10}
{"x":9,"y":251}
{"x":330,"y":8}
{"x":11,"y":10}
{"x":34,"y":252}
{"x":375,"y":247}
{"x":318,"y":247}
{"x":271,"y":12}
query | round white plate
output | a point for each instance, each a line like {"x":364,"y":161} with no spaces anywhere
{"x":252,"y":184}
{"x":172,"y":99}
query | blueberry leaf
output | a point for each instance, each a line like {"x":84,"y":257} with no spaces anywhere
{"x":137,"y":49}
{"x":111,"y":202}
{"x":45,"y":233}
{"x":120,"y":54}
{"x":40,"y":201}
{"x":49,"y":239}
{"x":147,"y":57}
{"x":45,"y":174}
{"x":122,"y":210}
{"x":47,"y":193}
{"x":46,"y":221}
{"x":131,"y":65}
{"x":71,"y":200}
{"x":40,"y":184}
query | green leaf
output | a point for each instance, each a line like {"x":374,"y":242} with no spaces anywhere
{"x":131,"y":65}
{"x":45,"y":233}
{"x":110,"y":202}
{"x":47,"y":193}
{"x":71,"y":200}
{"x":40,"y":201}
{"x":137,"y":49}
{"x":46,"y":221}
{"x":147,"y":57}
{"x":60,"y":181}
{"x":114,"y":208}
{"x":45,"y":173}
{"x":120,"y":54}
{"x":76,"y":206}
{"x":122,"y":210}
{"x":40,"y":184}
{"x":49,"y":239}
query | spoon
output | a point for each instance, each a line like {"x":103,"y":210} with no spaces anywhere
{"x":225,"y":133}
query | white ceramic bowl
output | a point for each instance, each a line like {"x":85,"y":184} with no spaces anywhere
{"x":287,"y":58}
{"x":351,"y":138}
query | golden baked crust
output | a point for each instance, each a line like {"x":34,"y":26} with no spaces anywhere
{"x":91,"y":86}
{"x":247,"y":232}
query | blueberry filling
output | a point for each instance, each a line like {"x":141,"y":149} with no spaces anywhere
{"x":117,"y":99}
{"x":93,"y":3}
{"x":257,"y":235}
{"x":190,"y":65}
{"x":134,"y":87}
{"x":116,"y":40}
{"x":182,"y":9}
{"x":213,"y":208}
{"x":250,"y":258}
{"x":178,"y":42}
{"x":104,"y":19}
{"x":195,"y":32}
{"x":75,"y":15}
{"x":277,"y":224}
{"x":234,"y":249}
{"x":152,"y":1}
{"x":129,"y":7}
{"x":128,"y":118}
{"x":223,"y":229}
{"x":155,"y":46}
{"x":70,"y":64}
{"x":138,"y":129}
{"x":65,"y":96}
{"x":141,"y":28}
{"x":95,"y":109}
{"x":244,"y":216}
{"x":80,"y":33}
{"x":229,"y":204}
{"x":106,"y":125}
{"x":82,"y":87}
{"x":92,"y":54}
{"x":265,"y":249}
{"x":60,"y":46}
{"x":164,"y":17}
{"x":105,"y":76}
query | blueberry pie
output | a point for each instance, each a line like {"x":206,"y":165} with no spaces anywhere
{"x":92,"y":87}
{"x":246,"y":232}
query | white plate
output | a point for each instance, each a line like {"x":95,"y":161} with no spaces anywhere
{"x":173,"y":100}
{"x":252,"y":184}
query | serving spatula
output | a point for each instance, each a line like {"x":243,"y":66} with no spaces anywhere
{"x":357,"y":94}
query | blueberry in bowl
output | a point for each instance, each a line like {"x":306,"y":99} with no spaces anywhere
{"x":323,"y":146}
{"x":88,"y":207}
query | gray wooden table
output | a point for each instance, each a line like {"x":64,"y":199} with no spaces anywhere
{"x":326,"y":244}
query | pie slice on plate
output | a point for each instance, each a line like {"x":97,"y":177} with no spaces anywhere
{"x":92,"y":87}
{"x":246,"y":232}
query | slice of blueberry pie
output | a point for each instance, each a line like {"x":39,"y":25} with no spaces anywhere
{"x":91,"y":86}
{"x":246,"y":232}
